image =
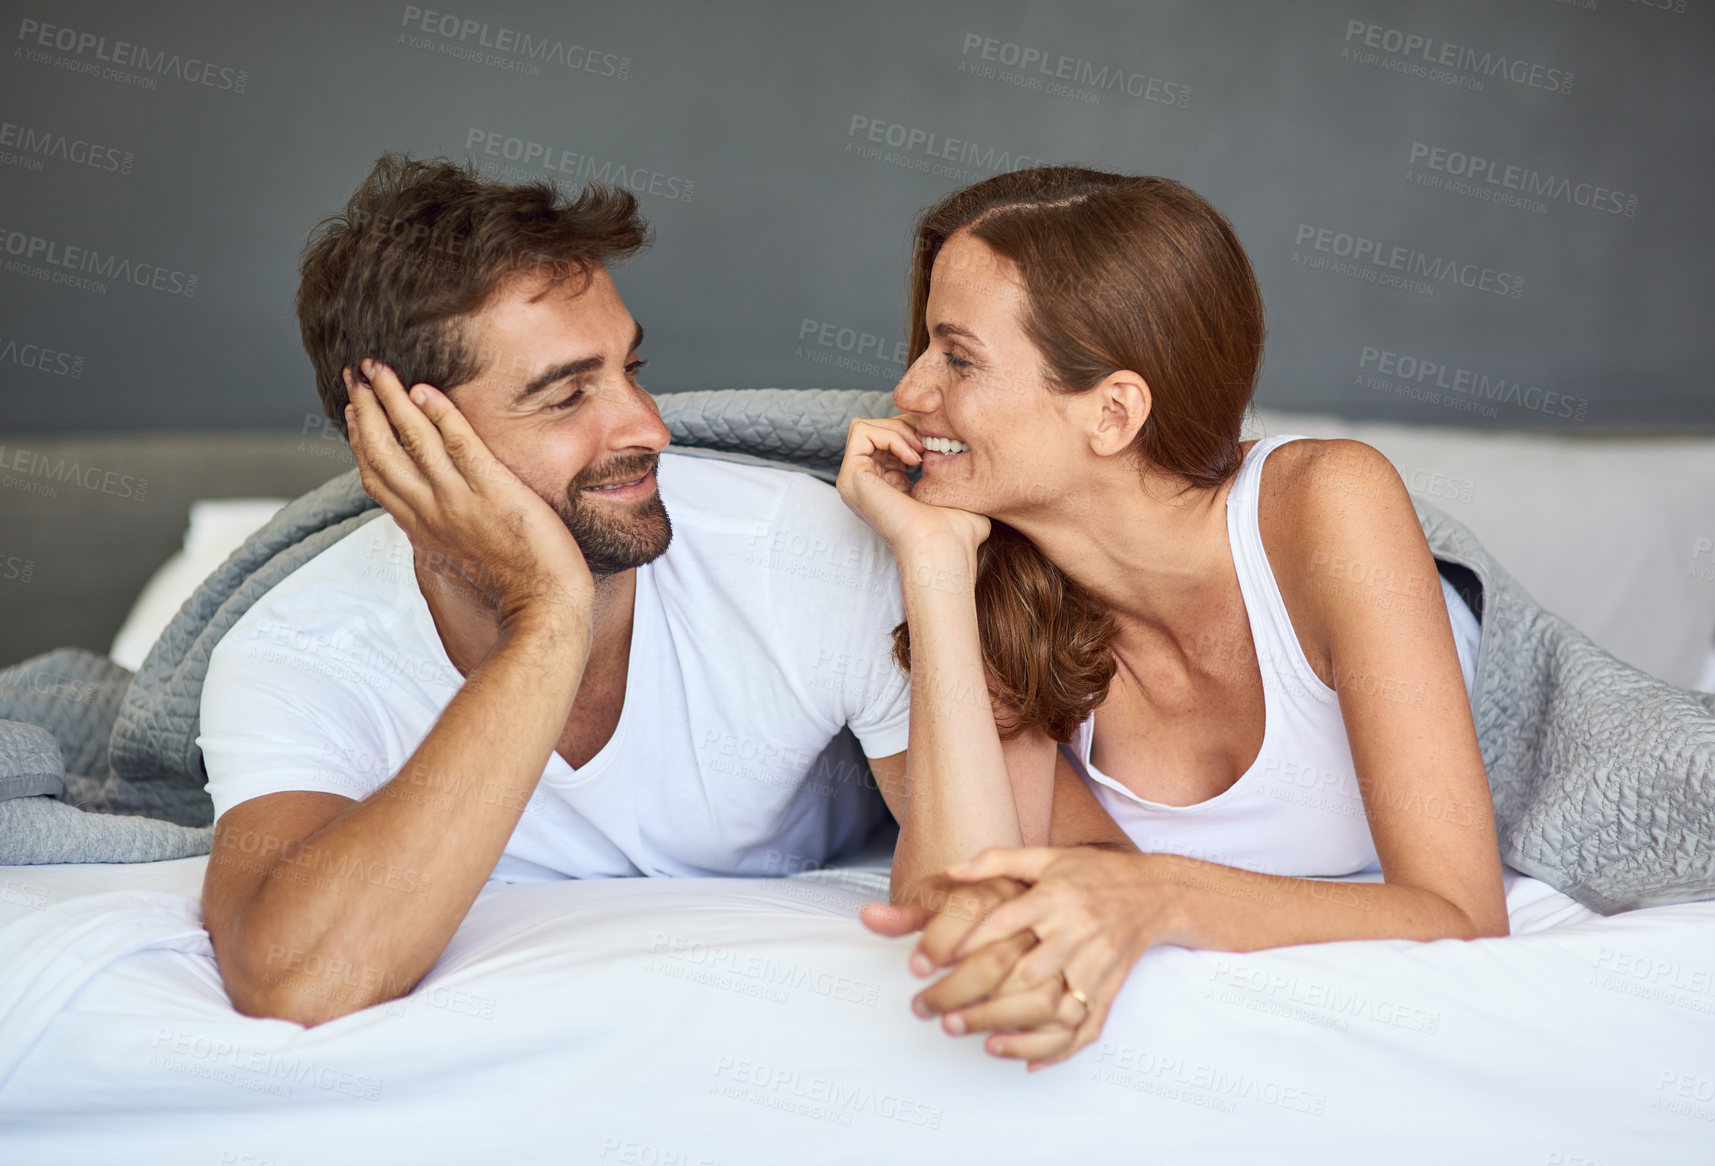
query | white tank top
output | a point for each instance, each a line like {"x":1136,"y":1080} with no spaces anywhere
{"x":1297,"y":810}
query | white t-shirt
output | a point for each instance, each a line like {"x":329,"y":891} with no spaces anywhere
{"x":763,"y":629}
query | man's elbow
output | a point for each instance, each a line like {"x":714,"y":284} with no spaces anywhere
{"x":275,"y":992}
{"x":1477,"y":924}
{"x":1492,"y":928}
{"x":294,"y":1003}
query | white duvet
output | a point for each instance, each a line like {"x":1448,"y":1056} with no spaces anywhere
{"x":702,"y":1021}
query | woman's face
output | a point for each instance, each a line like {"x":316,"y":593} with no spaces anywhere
{"x":980,"y":385}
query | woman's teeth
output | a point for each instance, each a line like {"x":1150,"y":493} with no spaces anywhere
{"x":945,"y":445}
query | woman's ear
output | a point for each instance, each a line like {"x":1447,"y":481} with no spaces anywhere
{"x":1123,"y":401}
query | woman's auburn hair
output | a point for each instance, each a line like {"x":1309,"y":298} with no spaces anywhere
{"x":1120,"y":273}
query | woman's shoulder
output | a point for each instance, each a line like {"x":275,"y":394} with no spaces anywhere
{"x":1336,"y":509}
{"x":1311,"y":482}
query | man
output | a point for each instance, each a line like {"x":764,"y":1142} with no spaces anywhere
{"x":523,"y":669}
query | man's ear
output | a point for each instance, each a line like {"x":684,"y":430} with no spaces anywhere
{"x":1121,"y":403}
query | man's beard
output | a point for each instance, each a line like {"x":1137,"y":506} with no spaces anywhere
{"x":612,"y":537}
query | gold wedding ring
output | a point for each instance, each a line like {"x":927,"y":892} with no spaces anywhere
{"x":1074,"y":993}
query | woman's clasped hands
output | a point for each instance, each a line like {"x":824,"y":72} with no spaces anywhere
{"x":1036,"y":943}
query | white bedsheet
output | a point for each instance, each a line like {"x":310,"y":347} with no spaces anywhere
{"x":682,"y":1022}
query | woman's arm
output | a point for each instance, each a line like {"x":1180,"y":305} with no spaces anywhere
{"x":1363,"y":592}
{"x":961,"y":797}
{"x":957,"y":792}
{"x":1360,"y":583}
{"x":1079,"y":819}
{"x":1061,"y":810}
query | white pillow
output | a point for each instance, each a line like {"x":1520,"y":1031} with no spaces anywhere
{"x":217,"y":528}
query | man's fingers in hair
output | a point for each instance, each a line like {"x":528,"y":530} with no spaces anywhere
{"x":417,"y":434}
{"x":468,"y":452}
{"x":384,"y":466}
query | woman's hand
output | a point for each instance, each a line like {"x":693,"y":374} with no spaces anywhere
{"x":1090,"y":913}
{"x":946,"y":912}
{"x":468,"y":516}
{"x":874,"y":483}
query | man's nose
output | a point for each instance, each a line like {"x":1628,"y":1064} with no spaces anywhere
{"x":640,"y":425}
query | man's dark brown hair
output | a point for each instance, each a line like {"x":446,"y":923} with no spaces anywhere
{"x":423,"y":244}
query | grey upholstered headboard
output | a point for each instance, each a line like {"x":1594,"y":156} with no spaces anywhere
{"x":85,"y":520}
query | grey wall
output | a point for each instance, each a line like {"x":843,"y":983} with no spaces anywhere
{"x":160,"y":166}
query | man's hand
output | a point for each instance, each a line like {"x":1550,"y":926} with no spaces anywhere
{"x":1092,"y":913}
{"x":468,"y":516}
{"x":947,"y":912}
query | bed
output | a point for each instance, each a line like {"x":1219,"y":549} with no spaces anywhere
{"x":702,"y":1021}
{"x":694,"y":1022}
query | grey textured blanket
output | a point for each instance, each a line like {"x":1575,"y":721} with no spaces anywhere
{"x":1603,"y":777}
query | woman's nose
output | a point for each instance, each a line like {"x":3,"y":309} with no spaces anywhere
{"x":915,"y":392}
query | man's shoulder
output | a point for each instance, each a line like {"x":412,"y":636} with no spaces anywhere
{"x":718,"y":483}
{"x":780,"y":521}
{"x":763,"y":500}
{"x":351,"y":591}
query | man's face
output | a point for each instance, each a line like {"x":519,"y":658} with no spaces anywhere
{"x":558,"y":403}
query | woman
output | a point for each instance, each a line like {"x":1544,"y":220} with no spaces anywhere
{"x":1246,"y":645}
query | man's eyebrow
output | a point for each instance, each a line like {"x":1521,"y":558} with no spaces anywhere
{"x":570,"y":369}
{"x":944,"y":330}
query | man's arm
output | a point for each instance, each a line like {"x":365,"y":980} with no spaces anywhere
{"x":354,"y":901}
{"x":318,"y":906}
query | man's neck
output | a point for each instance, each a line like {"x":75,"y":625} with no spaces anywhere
{"x":468,"y":627}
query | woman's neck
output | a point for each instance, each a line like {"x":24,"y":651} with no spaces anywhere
{"x":1148,"y":552}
